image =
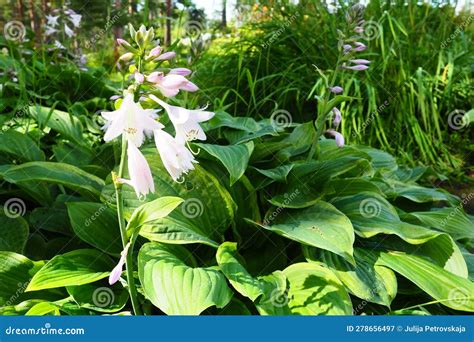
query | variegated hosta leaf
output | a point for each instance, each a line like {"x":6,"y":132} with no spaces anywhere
{"x":365,"y":279}
{"x":445,"y":287}
{"x":311,"y":290}
{"x":320,"y":225}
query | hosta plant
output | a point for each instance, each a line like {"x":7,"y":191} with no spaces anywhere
{"x":216,"y":214}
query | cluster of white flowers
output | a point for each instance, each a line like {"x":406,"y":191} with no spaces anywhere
{"x":69,"y":19}
{"x":137,"y":123}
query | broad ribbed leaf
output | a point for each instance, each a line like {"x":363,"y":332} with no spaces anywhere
{"x":79,"y":267}
{"x":235,"y":158}
{"x":312,"y":290}
{"x":97,"y":225}
{"x":62,"y":122}
{"x":420,"y":194}
{"x":320,"y":225}
{"x":207,"y":211}
{"x":445,"y":287}
{"x":176,"y":288}
{"x":13,"y":233}
{"x":21,"y":146}
{"x":57,"y":173}
{"x":228,"y":261}
{"x":99,"y":298}
{"x":16,"y":271}
{"x":450,"y":220}
{"x":366,"y":280}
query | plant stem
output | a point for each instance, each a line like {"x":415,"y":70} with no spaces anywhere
{"x":319,"y":122}
{"x":123,"y":232}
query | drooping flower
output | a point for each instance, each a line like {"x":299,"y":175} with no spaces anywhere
{"x":336,"y":90}
{"x":337,"y":117}
{"x":180,"y":71}
{"x":139,"y":78}
{"x":52,"y":20}
{"x":357,"y":67}
{"x":338,"y":137}
{"x":139,"y":171}
{"x":123,"y":42}
{"x":185,"y":121}
{"x":171,"y":84}
{"x":360,"y":61}
{"x":359,"y":46}
{"x":130,"y":119}
{"x":75,"y":19}
{"x":166,"y":56}
{"x":126,"y":56}
{"x":176,"y":158}
{"x":50,"y":30}
{"x":117,"y":271}
{"x":68,"y":31}
{"x":358,"y":29}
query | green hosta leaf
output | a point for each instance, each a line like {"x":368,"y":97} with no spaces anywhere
{"x":57,"y":173}
{"x":15,"y":273}
{"x":64,"y":123}
{"x":43,"y":309}
{"x":70,"y":153}
{"x":228,"y":261}
{"x":275,"y":295}
{"x":450,"y":220}
{"x":445,"y":287}
{"x":206,"y":213}
{"x":51,"y":219}
{"x":320,"y":225}
{"x":223,"y":119}
{"x":75,"y":268}
{"x":21,"y":146}
{"x":152,"y":211}
{"x":176,"y":288}
{"x":419,"y":194}
{"x":307,"y":181}
{"x":99,"y":298}
{"x":13,"y":233}
{"x":352,"y":186}
{"x":235,"y":158}
{"x":380,"y":160}
{"x":97,"y":225}
{"x":312,"y":290}
{"x":19,"y":309}
{"x":277,"y":174}
{"x":299,"y":141}
{"x":366,"y":280}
